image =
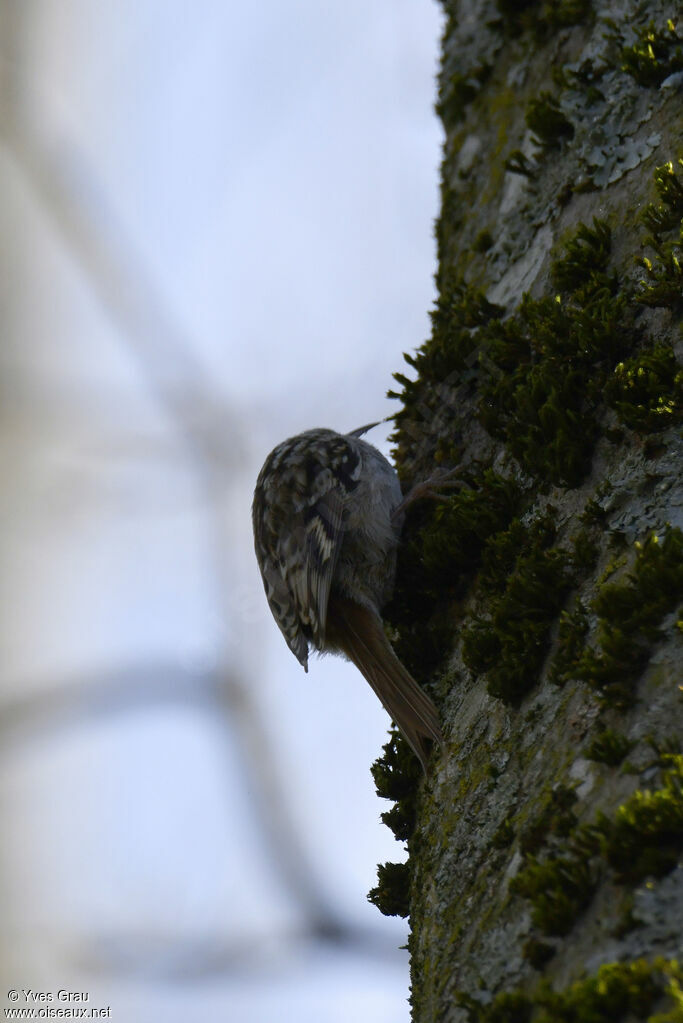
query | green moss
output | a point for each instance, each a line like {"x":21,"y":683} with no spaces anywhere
{"x":663,"y":281}
{"x":508,"y":1007}
{"x":555,"y":819}
{"x":511,"y":645}
{"x":626,"y":920}
{"x":392,"y":894}
{"x":397,"y":775}
{"x":502,"y":549}
{"x":609,"y":747}
{"x":616,"y":993}
{"x":510,"y":8}
{"x":585,"y":551}
{"x":541,"y":376}
{"x":483,"y":241}
{"x":543,"y":369}
{"x":456,"y":92}
{"x":663,"y":749}
{"x":593,"y":514}
{"x":454,"y":541}
{"x":518,"y":17}
{"x":422,"y":627}
{"x":457,"y":88}
{"x":656,"y":54}
{"x":571,"y":640}
{"x":559,"y":888}
{"x":423,"y":642}
{"x":503,"y":835}
{"x":629,"y":613}
{"x":559,"y":885}
{"x":541,"y":372}
{"x":616,"y":539}
{"x":500,"y":553}
{"x":537,"y":952}
{"x":541,"y":17}
{"x":563,"y":13}
{"x":449,"y":221}
{"x":444,"y":358}
{"x":667,"y":214}
{"x":586,"y":253}
{"x":545,"y":119}
{"x":518,"y":163}
{"x":646,"y":391}
{"x":441,"y":550}
{"x":480,"y":647}
{"x":524,"y":580}
{"x":645,"y":837}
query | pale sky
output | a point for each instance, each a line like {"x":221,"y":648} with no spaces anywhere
{"x":269,"y":177}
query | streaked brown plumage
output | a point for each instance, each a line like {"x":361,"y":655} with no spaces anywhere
{"x":327,"y":516}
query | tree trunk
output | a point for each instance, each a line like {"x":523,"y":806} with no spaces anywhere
{"x":537,"y":596}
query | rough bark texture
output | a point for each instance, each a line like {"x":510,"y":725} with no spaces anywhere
{"x":538,"y":599}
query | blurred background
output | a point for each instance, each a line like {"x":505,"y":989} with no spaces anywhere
{"x":216,"y":232}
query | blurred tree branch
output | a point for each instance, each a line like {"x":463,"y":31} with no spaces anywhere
{"x":66,"y":188}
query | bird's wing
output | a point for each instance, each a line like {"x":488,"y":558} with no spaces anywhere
{"x":299,"y":513}
{"x":323,"y":537}
{"x":284,"y":610}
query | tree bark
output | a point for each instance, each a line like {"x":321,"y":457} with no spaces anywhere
{"x":537,"y":597}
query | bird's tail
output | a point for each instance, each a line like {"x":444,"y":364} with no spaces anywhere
{"x":358,"y":633}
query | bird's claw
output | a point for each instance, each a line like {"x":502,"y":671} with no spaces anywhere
{"x":440,"y":478}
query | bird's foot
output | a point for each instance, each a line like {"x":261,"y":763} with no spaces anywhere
{"x":427,"y":488}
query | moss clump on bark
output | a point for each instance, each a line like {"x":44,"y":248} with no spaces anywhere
{"x":555,"y":819}
{"x":609,"y":747}
{"x":629,"y":614}
{"x":618,"y":991}
{"x":643,"y":838}
{"x":663,"y":281}
{"x":548,"y":123}
{"x":559,"y":888}
{"x":510,"y":646}
{"x":454,"y":542}
{"x":444,"y":544}
{"x":586,"y":254}
{"x":655,"y":54}
{"x":646,"y":391}
{"x":542,"y":17}
{"x":391,"y":896}
{"x":571,"y":640}
{"x":396,"y":775}
{"x":668,"y":213}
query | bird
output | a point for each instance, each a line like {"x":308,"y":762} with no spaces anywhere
{"x":327,"y":516}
